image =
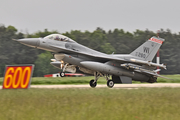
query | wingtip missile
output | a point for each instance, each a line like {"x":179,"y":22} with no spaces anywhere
{"x":149,"y":63}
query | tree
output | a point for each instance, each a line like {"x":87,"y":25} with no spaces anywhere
{"x":107,"y":48}
{"x":42,"y":34}
{"x":43,"y":66}
{"x":117,"y":40}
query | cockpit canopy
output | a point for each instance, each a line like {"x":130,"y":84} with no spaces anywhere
{"x":59,"y":37}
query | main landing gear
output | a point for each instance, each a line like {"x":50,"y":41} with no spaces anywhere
{"x":110,"y":83}
{"x":93,"y":83}
{"x":97,"y":75}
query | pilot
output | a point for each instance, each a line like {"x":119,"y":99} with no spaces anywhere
{"x":63,"y":39}
{"x":57,"y":38}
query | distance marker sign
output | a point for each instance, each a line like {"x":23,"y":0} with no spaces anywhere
{"x":17,"y":76}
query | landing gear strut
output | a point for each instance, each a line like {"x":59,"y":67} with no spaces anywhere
{"x":93,"y":83}
{"x":62,"y":74}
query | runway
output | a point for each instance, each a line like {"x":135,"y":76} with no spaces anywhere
{"x":125,"y":86}
{"x":119,"y":86}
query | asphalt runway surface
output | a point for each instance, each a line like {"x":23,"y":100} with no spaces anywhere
{"x":126,"y":86}
{"x":123,"y":86}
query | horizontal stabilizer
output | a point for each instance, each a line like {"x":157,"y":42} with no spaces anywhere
{"x":153,"y":73}
{"x":164,"y":77}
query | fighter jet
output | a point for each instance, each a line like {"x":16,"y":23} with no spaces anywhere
{"x":115,"y":68}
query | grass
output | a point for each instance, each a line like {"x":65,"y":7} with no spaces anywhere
{"x":90,"y":104}
{"x":85,"y":80}
{"x":176,"y":79}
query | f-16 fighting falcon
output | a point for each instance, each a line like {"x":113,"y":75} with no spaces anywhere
{"x":115,"y":68}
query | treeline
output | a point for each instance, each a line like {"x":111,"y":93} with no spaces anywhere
{"x":117,"y":41}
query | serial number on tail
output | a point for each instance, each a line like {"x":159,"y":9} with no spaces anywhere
{"x":141,"y":55}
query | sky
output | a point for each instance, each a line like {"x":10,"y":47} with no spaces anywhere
{"x":66,"y":15}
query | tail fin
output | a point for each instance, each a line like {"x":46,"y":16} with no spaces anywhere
{"x":148,"y":50}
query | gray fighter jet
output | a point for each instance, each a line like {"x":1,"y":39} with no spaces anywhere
{"x":70,"y":56}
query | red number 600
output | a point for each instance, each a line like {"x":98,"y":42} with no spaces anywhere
{"x":17,"y":77}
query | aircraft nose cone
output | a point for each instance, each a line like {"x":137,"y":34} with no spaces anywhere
{"x":33,"y":42}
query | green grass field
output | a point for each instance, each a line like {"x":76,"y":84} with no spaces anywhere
{"x":90,"y":104}
{"x":85,"y":80}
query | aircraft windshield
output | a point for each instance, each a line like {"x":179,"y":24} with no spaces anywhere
{"x":59,"y":37}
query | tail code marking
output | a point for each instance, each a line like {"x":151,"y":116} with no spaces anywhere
{"x":146,"y":49}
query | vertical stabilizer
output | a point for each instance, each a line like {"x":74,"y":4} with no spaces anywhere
{"x":148,"y":50}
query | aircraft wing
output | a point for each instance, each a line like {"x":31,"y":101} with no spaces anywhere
{"x":105,"y":57}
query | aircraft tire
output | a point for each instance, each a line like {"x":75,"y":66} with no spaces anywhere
{"x":92,"y":84}
{"x":110,"y":83}
{"x":62,"y":74}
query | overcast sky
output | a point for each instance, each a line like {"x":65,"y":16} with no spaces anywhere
{"x":67,"y":15}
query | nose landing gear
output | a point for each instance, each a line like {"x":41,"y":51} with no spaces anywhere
{"x":62,"y":74}
{"x":63,"y":67}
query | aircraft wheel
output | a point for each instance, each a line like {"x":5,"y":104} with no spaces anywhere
{"x":110,"y":83}
{"x":62,"y":74}
{"x":92,"y":84}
